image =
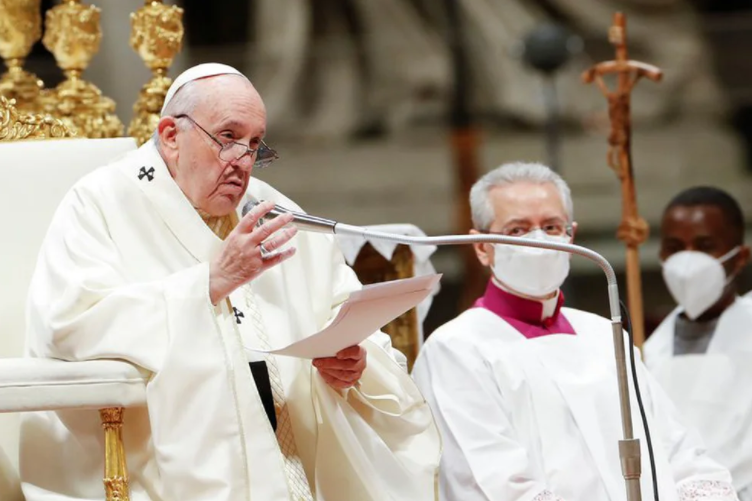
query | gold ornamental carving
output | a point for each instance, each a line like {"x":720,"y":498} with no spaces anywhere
{"x":157,"y":37}
{"x":15,"y":126}
{"x":73,"y":34}
{"x":20,"y":29}
{"x":371,"y":267}
{"x":115,"y":470}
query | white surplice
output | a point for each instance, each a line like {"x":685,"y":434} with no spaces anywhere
{"x":712,"y":390}
{"x":538,"y":419}
{"x":123,"y":273}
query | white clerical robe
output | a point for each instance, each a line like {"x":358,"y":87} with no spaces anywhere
{"x":713,"y":390}
{"x":123,"y":273}
{"x":538,"y":419}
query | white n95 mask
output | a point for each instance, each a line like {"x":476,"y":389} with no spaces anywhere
{"x":530,"y":271}
{"x":696,"y":280}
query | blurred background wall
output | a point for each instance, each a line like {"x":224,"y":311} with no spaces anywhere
{"x":360,"y":94}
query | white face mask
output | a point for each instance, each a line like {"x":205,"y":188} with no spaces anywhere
{"x":529,"y":271}
{"x":696,"y":280}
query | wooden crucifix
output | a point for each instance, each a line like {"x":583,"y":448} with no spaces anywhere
{"x":633,"y":230}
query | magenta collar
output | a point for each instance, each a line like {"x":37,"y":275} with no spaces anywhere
{"x":524,"y":314}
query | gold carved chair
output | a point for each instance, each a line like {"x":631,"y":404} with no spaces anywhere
{"x":39,"y":162}
{"x":377,"y":261}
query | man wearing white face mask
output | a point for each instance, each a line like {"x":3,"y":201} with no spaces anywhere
{"x":702,"y":352}
{"x":524,"y":390}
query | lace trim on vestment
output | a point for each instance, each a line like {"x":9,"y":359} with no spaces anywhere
{"x":707,"y":489}
{"x":547,"y":496}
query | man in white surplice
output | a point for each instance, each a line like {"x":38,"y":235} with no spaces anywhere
{"x":524,"y":391}
{"x":147,"y":260}
{"x":702,"y":352}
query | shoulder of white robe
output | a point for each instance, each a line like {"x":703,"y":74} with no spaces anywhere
{"x":104,"y":181}
{"x":736,"y":318}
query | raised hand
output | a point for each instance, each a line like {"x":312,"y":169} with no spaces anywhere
{"x":249,"y":250}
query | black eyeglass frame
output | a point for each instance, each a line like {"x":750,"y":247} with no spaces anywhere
{"x":568,"y":231}
{"x":264,"y":154}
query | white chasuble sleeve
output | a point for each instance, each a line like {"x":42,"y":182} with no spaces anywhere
{"x":83,"y":306}
{"x":378,"y":437}
{"x":483,"y":459}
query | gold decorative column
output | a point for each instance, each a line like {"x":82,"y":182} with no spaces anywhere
{"x":20,"y":28}
{"x":73,"y":34}
{"x":157,"y":36}
{"x":115,"y":471}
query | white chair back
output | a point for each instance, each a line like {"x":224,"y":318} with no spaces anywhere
{"x":35,"y":177}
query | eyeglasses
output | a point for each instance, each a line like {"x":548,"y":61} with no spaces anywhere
{"x":234,"y":151}
{"x":554,"y":229}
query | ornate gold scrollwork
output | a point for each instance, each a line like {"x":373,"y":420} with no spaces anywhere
{"x":73,"y":34}
{"x":15,"y":126}
{"x":20,"y":28}
{"x":157,"y":36}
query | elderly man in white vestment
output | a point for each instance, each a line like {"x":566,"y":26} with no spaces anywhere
{"x":148,"y":260}
{"x":702,"y":352}
{"x":524,"y":390}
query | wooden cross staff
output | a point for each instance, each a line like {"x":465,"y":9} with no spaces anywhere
{"x":633,"y":230}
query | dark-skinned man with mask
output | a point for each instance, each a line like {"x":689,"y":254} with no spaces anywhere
{"x":702,"y":352}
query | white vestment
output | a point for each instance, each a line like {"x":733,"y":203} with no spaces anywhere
{"x":124,"y":273}
{"x":538,"y":419}
{"x":712,"y":390}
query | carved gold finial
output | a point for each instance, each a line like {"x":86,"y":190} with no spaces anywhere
{"x":73,"y":35}
{"x":15,"y":126}
{"x":20,"y":28}
{"x":157,"y":36}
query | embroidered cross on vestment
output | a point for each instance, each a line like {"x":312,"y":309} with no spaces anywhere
{"x":149,"y":174}
{"x":238,"y":314}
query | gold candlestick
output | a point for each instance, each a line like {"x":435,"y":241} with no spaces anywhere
{"x":20,"y":28}
{"x":157,"y":36}
{"x":73,"y":34}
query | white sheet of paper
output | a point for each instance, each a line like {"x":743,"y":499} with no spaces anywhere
{"x":364,"y":312}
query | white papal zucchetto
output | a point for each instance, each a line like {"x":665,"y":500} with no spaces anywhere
{"x":195,"y":73}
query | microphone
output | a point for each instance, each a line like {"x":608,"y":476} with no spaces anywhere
{"x":301,"y":220}
{"x":629,"y":447}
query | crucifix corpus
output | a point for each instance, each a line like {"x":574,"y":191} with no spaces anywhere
{"x":633,"y":230}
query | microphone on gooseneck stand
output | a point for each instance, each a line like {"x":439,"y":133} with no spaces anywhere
{"x":302,"y":221}
{"x":629,"y":447}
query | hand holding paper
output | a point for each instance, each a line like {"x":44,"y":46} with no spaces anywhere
{"x":365,"y":312}
{"x":345,"y":369}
